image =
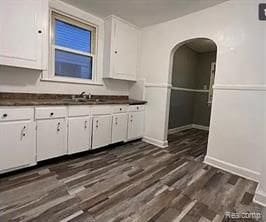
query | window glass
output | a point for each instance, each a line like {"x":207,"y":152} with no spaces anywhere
{"x":73,"y":37}
{"x":73,"y":65}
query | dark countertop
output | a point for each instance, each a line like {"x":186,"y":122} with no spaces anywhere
{"x":27,"y":99}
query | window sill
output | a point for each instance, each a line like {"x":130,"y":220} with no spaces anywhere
{"x":72,"y":81}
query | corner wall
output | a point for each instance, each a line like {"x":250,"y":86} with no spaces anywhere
{"x":237,"y":135}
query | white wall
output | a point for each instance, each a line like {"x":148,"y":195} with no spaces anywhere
{"x":237,"y":129}
{"x":26,"y":80}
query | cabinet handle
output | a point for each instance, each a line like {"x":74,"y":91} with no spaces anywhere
{"x":120,"y":109}
{"x":23,"y":133}
{"x":51,"y":114}
{"x":97,"y":123}
{"x":4,"y":115}
{"x":58,"y":127}
{"x":116,"y":121}
{"x":85,"y":126}
{"x":40,"y":31}
{"x":116,"y":52}
{"x":137,"y":107}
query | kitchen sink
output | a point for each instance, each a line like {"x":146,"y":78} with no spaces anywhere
{"x":84,"y":100}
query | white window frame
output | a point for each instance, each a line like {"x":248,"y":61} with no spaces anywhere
{"x":75,"y":14}
{"x":72,"y":21}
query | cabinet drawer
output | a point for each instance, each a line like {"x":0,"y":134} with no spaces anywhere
{"x":101,"y":110}
{"x":50,"y":112}
{"x":79,"y":111}
{"x":136,"y":108}
{"x":16,"y":114}
{"x":119,"y":109}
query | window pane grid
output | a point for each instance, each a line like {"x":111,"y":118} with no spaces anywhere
{"x":72,"y":50}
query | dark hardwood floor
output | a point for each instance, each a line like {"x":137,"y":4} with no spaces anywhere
{"x":131,"y":182}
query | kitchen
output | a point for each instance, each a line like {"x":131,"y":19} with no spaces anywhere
{"x":85,"y":103}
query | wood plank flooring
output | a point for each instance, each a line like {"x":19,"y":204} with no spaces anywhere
{"x":134,"y":182}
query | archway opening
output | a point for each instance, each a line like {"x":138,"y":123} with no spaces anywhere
{"x":192,"y":73}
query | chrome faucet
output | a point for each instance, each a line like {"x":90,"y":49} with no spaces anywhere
{"x":82,"y":94}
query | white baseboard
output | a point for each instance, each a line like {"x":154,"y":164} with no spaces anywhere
{"x":180,"y":128}
{"x":260,"y":197}
{"x":201,"y":127}
{"x":155,"y":142}
{"x":231,"y":168}
{"x":186,"y":127}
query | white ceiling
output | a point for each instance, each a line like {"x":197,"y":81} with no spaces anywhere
{"x":202,"y":45}
{"x":143,"y":12}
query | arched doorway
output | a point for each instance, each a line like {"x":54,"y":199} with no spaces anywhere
{"x":193,"y":64}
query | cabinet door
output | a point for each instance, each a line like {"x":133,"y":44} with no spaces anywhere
{"x":126,"y":49}
{"x":51,"y":138}
{"x":135,"y":125}
{"x":101,"y":133}
{"x":119,"y":127}
{"x":17,"y":144}
{"x":21,"y":33}
{"x":79,"y":134}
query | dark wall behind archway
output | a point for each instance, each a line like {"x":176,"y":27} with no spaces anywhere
{"x":191,"y":70}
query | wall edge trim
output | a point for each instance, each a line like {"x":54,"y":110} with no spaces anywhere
{"x":232,"y":168}
{"x":201,"y":127}
{"x":189,"y":90}
{"x":186,"y":127}
{"x":158,"y":85}
{"x":245,"y":87}
{"x":260,"y":197}
{"x":155,"y":142}
{"x":179,"y":129}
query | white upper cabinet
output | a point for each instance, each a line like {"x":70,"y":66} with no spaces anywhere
{"x":23,"y":32}
{"x":121,"y":49}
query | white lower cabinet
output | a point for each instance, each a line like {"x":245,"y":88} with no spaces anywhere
{"x":17,"y":144}
{"x":119,"y":127}
{"x":79,"y":134}
{"x":101,"y":131}
{"x":135,"y":125}
{"x":51,"y":138}
{"x":51,"y":132}
{"x":60,"y":130}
